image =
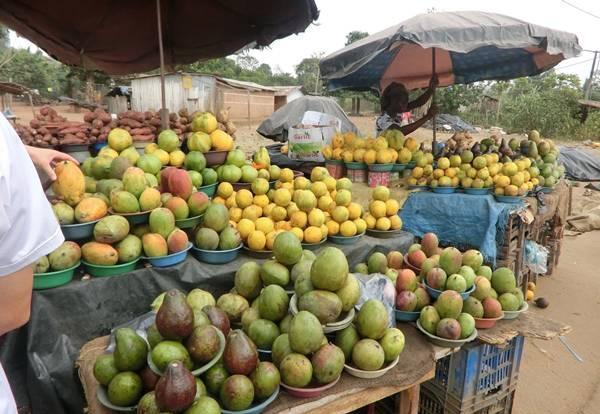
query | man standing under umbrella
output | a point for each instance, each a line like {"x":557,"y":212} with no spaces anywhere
{"x":394,"y":102}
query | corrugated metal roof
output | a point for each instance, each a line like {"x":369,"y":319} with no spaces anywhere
{"x":285,"y":90}
{"x":244,"y":85}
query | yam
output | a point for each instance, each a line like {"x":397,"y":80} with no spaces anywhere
{"x":89,"y":116}
{"x":81,"y":135}
{"x":223,"y":115}
{"x":231,"y":128}
{"x":97,"y":123}
{"x":141,"y":131}
{"x":105,"y":118}
{"x":34,"y":123}
{"x":95,"y":132}
{"x":143,"y":138}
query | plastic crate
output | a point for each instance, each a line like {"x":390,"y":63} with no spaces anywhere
{"x":431,"y":401}
{"x":478,"y":370}
{"x":357,"y":176}
{"x":376,"y":178}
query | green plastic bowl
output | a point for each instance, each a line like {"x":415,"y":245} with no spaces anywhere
{"x":210,"y":189}
{"x":50,"y":280}
{"x":114,"y":270}
{"x":381,"y":167}
{"x":356,"y":165}
{"x":133,"y":218}
{"x":189,"y":222}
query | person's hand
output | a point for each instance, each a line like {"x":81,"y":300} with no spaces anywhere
{"x":433,"y":110}
{"x":434,"y":82}
{"x":46,"y":159}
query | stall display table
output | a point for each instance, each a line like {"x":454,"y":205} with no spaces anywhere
{"x":39,"y":358}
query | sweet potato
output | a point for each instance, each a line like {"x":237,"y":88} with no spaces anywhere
{"x":141,"y":131}
{"x":143,"y":138}
{"x":89,"y":116}
{"x":105,"y":118}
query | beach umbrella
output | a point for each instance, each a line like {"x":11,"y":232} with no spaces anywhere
{"x":136,"y":36}
{"x":459,"y":47}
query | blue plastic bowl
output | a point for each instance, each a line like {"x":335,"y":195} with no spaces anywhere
{"x":216,"y":256}
{"x":209,"y":190}
{"x":434,"y":293}
{"x":399,"y":167}
{"x":189,"y":223}
{"x":345,"y":239}
{"x":170,"y":259}
{"x":418,"y":187}
{"x":313,"y":246}
{"x":404,"y":316}
{"x":547,"y":189}
{"x":133,"y":218}
{"x":477,"y":191}
{"x":443,"y":190}
{"x":78,"y":231}
{"x":257,"y":408}
{"x":509,"y":199}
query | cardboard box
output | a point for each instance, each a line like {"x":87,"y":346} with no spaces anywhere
{"x":305,"y":141}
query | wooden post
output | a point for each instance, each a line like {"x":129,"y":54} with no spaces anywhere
{"x":164,"y":112}
{"x":249,"y":117}
{"x":434,"y":141}
{"x":408,"y":402}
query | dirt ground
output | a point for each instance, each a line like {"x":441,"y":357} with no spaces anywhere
{"x":551,"y":379}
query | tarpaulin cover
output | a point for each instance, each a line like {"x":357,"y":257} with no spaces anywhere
{"x":581,"y":164}
{"x":39,"y":358}
{"x":121,"y":37}
{"x":456,"y":123}
{"x":462,"y":220}
{"x":277,"y":125}
{"x":470,"y":46}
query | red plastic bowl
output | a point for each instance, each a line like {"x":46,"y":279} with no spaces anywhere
{"x":309,"y":392}
{"x":408,"y":265}
{"x":486,"y":323}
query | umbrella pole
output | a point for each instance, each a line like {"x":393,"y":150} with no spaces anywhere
{"x":434,"y":141}
{"x":164,"y":112}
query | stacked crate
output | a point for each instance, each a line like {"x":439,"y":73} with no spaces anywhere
{"x":510,"y":254}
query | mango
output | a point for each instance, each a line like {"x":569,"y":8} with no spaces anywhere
{"x":99,"y":254}
{"x":64,"y":213}
{"x":141,"y":229}
{"x":198,"y":203}
{"x":90,"y":209}
{"x":134,"y":181}
{"x":100,"y":168}
{"x":180,"y":184}
{"x":177,"y":241}
{"x":118,"y":167}
{"x":90,"y":184}
{"x":149,"y":199}
{"x":42,"y":265}
{"x":130,"y":248}
{"x":162,"y":221}
{"x":124,"y":202}
{"x":178,"y":207}
{"x":67,"y":255}
{"x":111,"y":229}
{"x":70,"y":182}
{"x":107,"y":186}
{"x":154,"y":245}
{"x":325,"y":305}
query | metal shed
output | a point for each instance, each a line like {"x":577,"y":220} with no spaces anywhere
{"x":201,"y":92}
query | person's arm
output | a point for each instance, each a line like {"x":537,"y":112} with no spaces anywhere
{"x":16,"y":299}
{"x":422,"y":100}
{"x":45,"y":159}
{"x":407,"y":129}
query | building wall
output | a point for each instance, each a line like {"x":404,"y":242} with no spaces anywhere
{"x":194,"y":92}
{"x":246,"y":104}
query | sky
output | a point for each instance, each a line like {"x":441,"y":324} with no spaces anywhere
{"x":338,"y":17}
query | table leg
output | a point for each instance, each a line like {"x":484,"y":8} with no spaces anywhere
{"x":409,"y":400}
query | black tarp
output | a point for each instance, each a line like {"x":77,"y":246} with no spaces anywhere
{"x":581,"y":164}
{"x":39,"y":358}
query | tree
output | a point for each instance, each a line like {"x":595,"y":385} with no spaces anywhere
{"x":307,"y":72}
{"x":4,"y":38}
{"x":355,"y":35}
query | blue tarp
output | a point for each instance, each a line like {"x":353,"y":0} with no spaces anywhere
{"x":461,"y":220}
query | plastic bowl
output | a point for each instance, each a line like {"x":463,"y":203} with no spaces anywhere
{"x":264,"y":354}
{"x":418,"y":187}
{"x":359,"y":373}
{"x":399,"y":167}
{"x":509,"y":199}
{"x":547,"y":189}
{"x":258,"y":254}
{"x":345,"y":239}
{"x":50,"y":280}
{"x":434,"y":293}
{"x":102,"y":396}
{"x":200,"y":370}
{"x":383,"y":234}
{"x":241,"y":186}
{"x":443,"y":190}
{"x":189,"y":222}
{"x":477,"y":191}
{"x":409,"y":265}
{"x":443,"y":342}
{"x":114,"y":270}
{"x":209,"y":189}
{"x":343,"y":323}
{"x":405,"y":316}
{"x":215,"y":157}
{"x":381,"y":167}
{"x":216,"y":256}
{"x":170,"y":259}
{"x":309,"y":392}
{"x":314,"y":246}
{"x":272,"y":184}
{"x":517,"y":313}
{"x":78,"y":231}
{"x":334,"y":162}
{"x":487,"y":323}
{"x":255,"y":409}
{"x":133,"y":218}
{"x":356,"y":165}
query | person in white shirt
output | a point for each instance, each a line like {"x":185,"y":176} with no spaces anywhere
{"x":28,"y":231}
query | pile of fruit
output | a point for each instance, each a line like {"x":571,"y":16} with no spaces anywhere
{"x":215,"y":233}
{"x":378,"y":262}
{"x":64,"y":257}
{"x":391,"y":147}
{"x":383,"y":211}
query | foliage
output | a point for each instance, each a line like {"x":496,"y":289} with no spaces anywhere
{"x":450,"y":99}
{"x":355,"y":35}
{"x":307,"y":72}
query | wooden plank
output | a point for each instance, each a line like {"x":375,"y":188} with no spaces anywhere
{"x":409,"y":400}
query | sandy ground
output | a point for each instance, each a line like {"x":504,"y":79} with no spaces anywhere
{"x":551,"y":379}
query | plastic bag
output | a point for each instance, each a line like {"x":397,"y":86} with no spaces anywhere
{"x":139,"y":325}
{"x":380,"y":287}
{"x":535,"y":257}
